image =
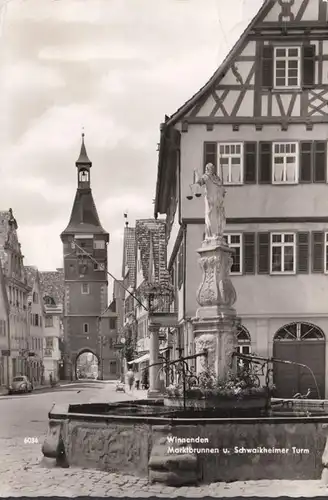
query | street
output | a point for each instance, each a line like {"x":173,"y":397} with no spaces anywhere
{"x":24,"y":471}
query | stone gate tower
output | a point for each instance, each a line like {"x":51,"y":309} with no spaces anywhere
{"x":86,"y":295}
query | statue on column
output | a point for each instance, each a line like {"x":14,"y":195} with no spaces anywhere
{"x":214,"y":202}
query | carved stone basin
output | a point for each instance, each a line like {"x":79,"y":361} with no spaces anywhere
{"x":186,"y":446}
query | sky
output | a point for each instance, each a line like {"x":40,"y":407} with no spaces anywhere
{"x":114,"y":67}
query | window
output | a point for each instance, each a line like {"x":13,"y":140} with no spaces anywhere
{"x":287,"y":72}
{"x":112,"y":323}
{"x":299,"y":331}
{"x":49,"y":321}
{"x":85,"y":288}
{"x":231,"y":163}
{"x":49,"y":301}
{"x":35,"y":298}
{"x":283,"y":250}
{"x":85,"y":328}
{"x":83,"y":175}
{"x":285,"y":163}
{"x":99,"y":244}
{"x":244,"y":345}
{"x":234,"y":241}
{"x":326,"y":253}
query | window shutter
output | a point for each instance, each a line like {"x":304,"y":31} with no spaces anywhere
{"x":306,"y":161}
{"x":249,"y":253}
{"x":308,"y":66}
{"x":317,"y":252}
{"x":267,"y":66}
{"x":250,"y":162}
{"x":265,"y":173}
{"x":210,"y":153}
{"x":263,"y":253}
{"x":181,"y":265}
{"x":320,"y":161}
{"x":302,"y":265}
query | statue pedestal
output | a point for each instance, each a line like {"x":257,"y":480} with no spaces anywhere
{"x":215,"y":321}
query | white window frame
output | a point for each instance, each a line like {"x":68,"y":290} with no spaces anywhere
{"x":285,"y":155}
{"x":236,"y":245}
{"x":287,"y":58}
{"x":283,"y":244}
{"x":100,"y":247}
{"x":325,"y":254}
{"x":86,"y":328}
{"x":230,"y":156}
{"x":82,"y":289}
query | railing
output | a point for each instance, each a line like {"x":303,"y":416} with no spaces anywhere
{"x":180,"y":371}
{"x":258,"y":365}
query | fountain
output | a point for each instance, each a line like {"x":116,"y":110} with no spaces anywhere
{"x":214,"y":423}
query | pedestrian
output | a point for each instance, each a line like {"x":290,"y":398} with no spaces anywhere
{"x":137,"y":381}
{"x":130,"y":378}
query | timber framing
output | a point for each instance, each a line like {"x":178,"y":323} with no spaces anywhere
{"x":263,"y":120}
{"x":262,"y":220}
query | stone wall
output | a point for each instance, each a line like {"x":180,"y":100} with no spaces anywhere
{"x":136,"y":446}
{"x":111,"y":446}
{"x":227,"y":465}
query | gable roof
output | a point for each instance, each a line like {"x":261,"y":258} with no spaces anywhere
{"x":33,"y":280}
{"x":265,"y":8}
{"x":129,"y":254}
{"x":151,"y":241}
{"x":9,"y":242}
{"x":165,"y":139}
{"x":52,"y":285}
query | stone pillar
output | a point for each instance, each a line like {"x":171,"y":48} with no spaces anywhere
{"x":215,"y":321}
{"x":324,"y":475}
{"x":154,"y":380}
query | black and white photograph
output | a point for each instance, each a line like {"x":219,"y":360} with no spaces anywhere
{"x":164,"y":248}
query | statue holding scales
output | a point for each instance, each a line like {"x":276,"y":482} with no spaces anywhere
{"x":214,"y":202}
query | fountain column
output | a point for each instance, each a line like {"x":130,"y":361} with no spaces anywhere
{"x":154,"y":380}
{"x":215,"y":321}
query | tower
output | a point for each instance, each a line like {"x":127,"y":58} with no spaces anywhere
{"x":85,"y":281}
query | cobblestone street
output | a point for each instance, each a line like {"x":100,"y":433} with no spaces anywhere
{"x":24,"y":471}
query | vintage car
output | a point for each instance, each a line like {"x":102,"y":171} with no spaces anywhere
{"x":20,"y":384}
{"x":120,"y":386}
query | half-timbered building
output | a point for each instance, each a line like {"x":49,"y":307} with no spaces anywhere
{"x":262,"y":120}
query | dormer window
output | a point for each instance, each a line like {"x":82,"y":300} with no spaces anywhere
{"x":83,"y":175}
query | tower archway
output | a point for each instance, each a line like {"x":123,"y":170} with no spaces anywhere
{"x":87,"y":365}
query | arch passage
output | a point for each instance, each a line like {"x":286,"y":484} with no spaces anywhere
{"x":87,"y":365}
{"x":302,"y":343}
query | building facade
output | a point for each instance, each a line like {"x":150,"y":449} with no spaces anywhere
{"x":52,"y":287}
{"x":18,"y":291}
{"x":4,"y":334}
{"x":149,"y":309}
{"x":36,"y":327}
{"x":261,"y":119}
{"x":85,"y":271}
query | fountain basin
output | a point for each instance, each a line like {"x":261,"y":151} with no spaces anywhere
{"x":255,"y":402}
{"x":146,"y":439}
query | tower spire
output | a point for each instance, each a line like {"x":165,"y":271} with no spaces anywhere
{"x":83,"y":158}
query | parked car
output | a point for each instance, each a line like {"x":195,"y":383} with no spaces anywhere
{"x":20,"y":384}
{"x":120,"y":386}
